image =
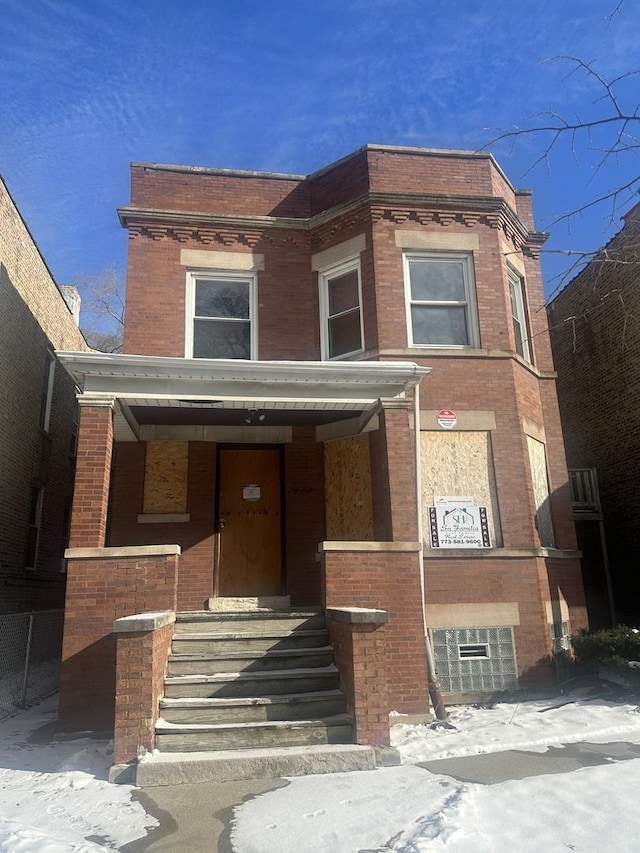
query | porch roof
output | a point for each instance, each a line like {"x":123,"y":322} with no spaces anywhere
{"x":159,"y":390}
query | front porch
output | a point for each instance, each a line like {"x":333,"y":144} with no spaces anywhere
{"x":198,"y":481}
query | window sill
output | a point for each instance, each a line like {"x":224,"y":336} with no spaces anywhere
{"x":164,"y":518}
{"x":498,"y":553}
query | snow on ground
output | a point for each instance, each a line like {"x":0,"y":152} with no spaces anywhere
{"x":532,"y":725}
{"x":411,"y":810}
{"x":54,"y":797}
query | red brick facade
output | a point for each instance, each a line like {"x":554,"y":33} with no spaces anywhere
{"x":101,"y":589}
{"x":141,"y":659}
{"x":375,"y":209}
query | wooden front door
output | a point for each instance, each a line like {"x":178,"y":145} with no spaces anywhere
{"x":249,"y":522}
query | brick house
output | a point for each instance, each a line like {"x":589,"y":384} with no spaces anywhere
{"x":596,"y":349}
{"x":319,"y":374}
{"x":38,"y":421}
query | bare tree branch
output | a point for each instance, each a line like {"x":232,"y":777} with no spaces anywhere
{"x":618,"y":119}
{"x":102,"y":309}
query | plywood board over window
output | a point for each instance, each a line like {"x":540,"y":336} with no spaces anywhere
{"x":348,"y":503}
{"x":165,"y":477}
{"x":538,"y":460}
{"x":460,"y":463}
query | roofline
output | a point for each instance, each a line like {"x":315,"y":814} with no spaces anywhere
{"x":230,"y":173}
{"x":284,"y":176}
{"x":37,"y":248}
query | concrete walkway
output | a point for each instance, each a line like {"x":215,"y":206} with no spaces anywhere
{"x":197,"y":818}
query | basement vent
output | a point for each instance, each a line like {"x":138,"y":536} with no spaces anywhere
{"x":468,"y":650}
{"x":475,"y":660}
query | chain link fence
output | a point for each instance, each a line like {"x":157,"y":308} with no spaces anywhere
{"x":30,"y":653}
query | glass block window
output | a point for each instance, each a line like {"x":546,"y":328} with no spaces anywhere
{"x":475,"y":660}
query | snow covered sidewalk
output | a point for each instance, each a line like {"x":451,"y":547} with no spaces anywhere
{"x":410,"y":810}
{"x":54,"y":797}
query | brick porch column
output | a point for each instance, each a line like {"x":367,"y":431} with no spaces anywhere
{"x":393,"y":473}
{"x":93,"y":474}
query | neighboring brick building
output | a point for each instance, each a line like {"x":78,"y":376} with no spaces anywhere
{"x":596,"y":347}
{"x":37,"y":421}
{"x":277,"y":329}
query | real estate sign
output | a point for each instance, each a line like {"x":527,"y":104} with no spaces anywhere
{"x":456,"y":522}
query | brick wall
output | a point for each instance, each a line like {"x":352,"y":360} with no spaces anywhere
{"x":387,"y":580}
{"x":33,"y":319}
{"x":531,"y":582}
{"x":360,"y":656}
{"x":100,"y":590}
{"x":140,"y":671}
{"x":596,"y":349}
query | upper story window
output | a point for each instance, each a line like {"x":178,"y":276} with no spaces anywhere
{"x":221,"y":315}
{"x":441,"y":300}
{"x":340,"y":301}
{"x":519,"y":314}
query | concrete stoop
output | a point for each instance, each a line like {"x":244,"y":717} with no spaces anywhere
{"x":251,"y":693}
{"x":157,"y":769}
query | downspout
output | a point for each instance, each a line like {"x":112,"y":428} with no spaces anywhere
{"x":434,"y":685}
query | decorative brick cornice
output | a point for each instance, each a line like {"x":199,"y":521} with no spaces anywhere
{"x":534,"y":244}
{"x":399,"y":208}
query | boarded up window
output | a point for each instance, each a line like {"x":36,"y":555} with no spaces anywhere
{"x":537,"y":458}
{"x":165,"y":476}
{"x":460,"y":463}
{"x":348,"y":504}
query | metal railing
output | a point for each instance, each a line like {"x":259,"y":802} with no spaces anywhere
{"x":30,"y":653}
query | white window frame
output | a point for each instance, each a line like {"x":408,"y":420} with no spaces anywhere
{"x":465,"y":259}
{"x":244,"y":276}
{"x":325,"y":276}
{"x":516,"y":287}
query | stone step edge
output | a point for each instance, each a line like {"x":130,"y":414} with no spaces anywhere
{"x":158,"y":769}
{"x":246,"y":635}
{"x":248,"y":676}
{"x":267,"y":653}
{"x":248,"y":701}
{"x":164,"y":727}
{"x":244,"y":615}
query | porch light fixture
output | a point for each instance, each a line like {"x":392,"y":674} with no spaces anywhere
{"x":255,"y":416}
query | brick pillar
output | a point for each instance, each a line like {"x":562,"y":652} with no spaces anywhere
{"x":93,"y":474}
{"x":393,"y":473}
{"x":358,"y":639}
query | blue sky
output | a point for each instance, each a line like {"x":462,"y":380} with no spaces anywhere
{"x":86,"y":86}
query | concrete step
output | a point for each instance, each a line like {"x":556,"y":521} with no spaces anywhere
{"x":279,"y":659}
{"x":158,"y":768}
{"x":247,"y":623}
{"x":248,"y":684}
{"x":291,"y":706}
{"x":202,"y":643}
{"x":261,"y":602}
{"x":200,"y":737}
